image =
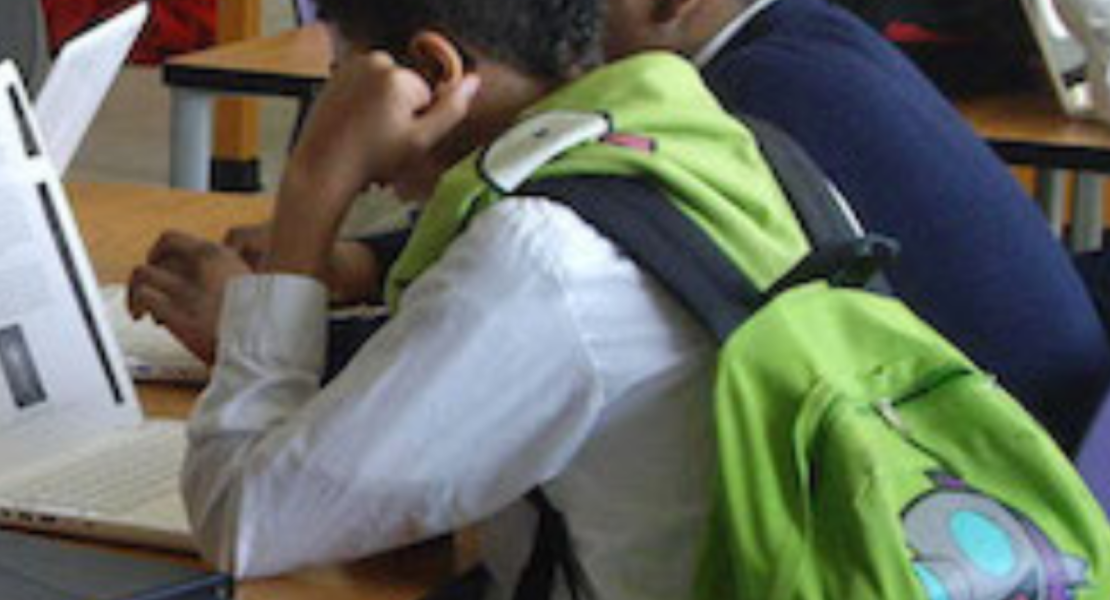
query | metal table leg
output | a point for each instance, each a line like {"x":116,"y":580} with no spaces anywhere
{"x":1049,"y":188}
{"x":1087,"y":223}
{"x":191,"y":122}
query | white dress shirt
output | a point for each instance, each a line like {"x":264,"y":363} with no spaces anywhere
{"x":534,"y":352}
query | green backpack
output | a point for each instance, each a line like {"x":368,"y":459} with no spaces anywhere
{"x":861,"y":455}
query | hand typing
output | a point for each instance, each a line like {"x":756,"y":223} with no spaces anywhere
{"x":182,"y":287}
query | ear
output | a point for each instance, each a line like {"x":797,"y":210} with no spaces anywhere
{"x":668,"y":11}
{"x":438,"y":59}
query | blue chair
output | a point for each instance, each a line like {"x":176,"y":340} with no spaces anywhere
{"x":1094,"y":457}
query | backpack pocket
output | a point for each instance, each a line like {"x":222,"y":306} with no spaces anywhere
{"x":940,"y":492}
{"x":1008,"y":492}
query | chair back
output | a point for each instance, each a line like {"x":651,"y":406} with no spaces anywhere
{"x":1094,"y":456}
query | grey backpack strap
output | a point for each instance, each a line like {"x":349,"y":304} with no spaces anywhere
{"x":843,"y":253}
{"x":824,"y":217}
{"x":641,"y":220}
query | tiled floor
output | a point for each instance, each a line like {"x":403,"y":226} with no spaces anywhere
{"x":129,"y":140}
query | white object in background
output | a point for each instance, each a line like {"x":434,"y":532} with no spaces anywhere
{"x":80,"y":79}
{"x":1089,"y":23}
{"x":1064,"y":57}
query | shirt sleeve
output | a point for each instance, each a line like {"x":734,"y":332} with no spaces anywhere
{"x":479,"y":389}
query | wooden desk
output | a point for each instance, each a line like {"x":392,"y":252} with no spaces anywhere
{"x":1030,"y":129}
{"x":291,"y":64}
{"x":119,"y":222}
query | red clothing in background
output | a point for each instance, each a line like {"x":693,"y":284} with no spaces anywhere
{"x":175,"y":25}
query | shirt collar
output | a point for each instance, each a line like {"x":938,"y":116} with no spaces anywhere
{"x":709,"y":51}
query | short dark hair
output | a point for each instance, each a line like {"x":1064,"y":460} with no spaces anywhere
{"x":547,"y":38}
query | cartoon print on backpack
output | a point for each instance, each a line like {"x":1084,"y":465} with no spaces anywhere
{"x":971,"y":547}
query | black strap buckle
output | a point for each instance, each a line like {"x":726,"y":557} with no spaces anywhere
{"x":852,"y":264}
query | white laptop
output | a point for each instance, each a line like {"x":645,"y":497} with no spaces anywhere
{"x":1064,"y":57}
{"x":70,"y":98}
{"x":78,"y":455}
{"x":80,"y":79}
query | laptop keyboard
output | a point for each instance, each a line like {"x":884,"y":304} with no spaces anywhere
{"x":115,"y":479}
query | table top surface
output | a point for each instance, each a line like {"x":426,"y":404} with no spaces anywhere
{"x":291,"y":63}
{"x":1030,"y":128}
{"x":119,"y":222}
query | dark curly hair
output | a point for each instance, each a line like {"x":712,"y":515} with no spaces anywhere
{"x":547,"y":38}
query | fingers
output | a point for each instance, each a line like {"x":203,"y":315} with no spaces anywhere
{"x":153,"y":290}
{"x":251,"y":242}
{"x":178,"y":250}
{"x":449,"y":107}
{"x":173,"y":302}
{"x":240,"y":237}
{"x":180,"y":320}
{"x":433,"y":113}
{"x":182,"y":288}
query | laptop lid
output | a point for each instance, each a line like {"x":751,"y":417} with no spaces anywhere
{"x":35,"y":568}
{"x":80,"y":79}
{"x":61,"y":371}
{"x":1063,"y":56}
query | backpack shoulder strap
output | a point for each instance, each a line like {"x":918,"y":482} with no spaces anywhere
{"x":636,"y":216}
{"x":843,"y":253}
{"x":824,"y":215}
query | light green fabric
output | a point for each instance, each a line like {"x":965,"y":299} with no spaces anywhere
{"x":836,"y":410}
{"x":704,"y":159}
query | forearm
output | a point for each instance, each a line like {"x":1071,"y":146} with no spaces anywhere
{"x":270,"y":360}
{"x":274,"y":458}
{"x":366,"y":263}
{"x":403,"y":445}
{"x":269,"y":483}
{"x":355,"y":273}
{"x":305,"y":225}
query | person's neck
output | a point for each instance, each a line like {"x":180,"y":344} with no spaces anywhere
{"x":706,"y":20}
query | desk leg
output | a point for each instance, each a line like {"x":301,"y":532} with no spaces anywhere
{"x":190,"y":139}
{"x":1049,"y":190}
{"x":1087,"y":223}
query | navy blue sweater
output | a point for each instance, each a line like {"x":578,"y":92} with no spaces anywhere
{"x":978,"y":261}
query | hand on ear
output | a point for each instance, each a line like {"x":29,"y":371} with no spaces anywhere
{"x":376,"y":114}
{"x":439,"y":61}
{"x":370,"y":124}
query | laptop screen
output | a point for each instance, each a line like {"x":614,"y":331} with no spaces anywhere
{"x":80,"y":79}
{"x":56,"y":352}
